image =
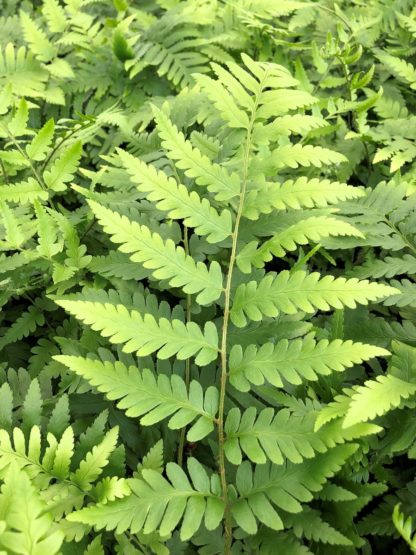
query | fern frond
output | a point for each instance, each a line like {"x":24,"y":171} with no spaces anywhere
{"x":28,"y":527}
{"x":376,"y":397}
{"x":159,"y":503}
{"x":389,"y":267}
{"x":310,"y":525}
{"x":22,"y":72}
{"x":406,"y":295}
{"x":139,"y":393}
{"x":23,"y":192}
{"x":93,"y":464}
{"x":164,"y":259}
{"x":144,"y":334}
{"x":295,"y":361}
{"x":25,"y":325}
{"x":405,"y":71}
{"x":63,"y":168}
{"x":301,"y":193}
{"x":293,"y":156}
{"x":196,"y":165}
{"x":274,"y":436}
{"x":289,"y":292}
{"x":39,"y":145}
{"x":177,"y":201}
{"x":285,"y":487}
{"x":300,"y":233}
{"x":40,"y":45}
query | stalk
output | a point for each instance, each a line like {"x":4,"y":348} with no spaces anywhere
{"x":224,"y":335}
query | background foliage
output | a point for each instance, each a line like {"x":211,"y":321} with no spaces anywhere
{"x":208,"y":252}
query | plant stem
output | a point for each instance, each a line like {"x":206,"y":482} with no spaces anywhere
{"x":188,"y":360}
{"x":224,"y":336}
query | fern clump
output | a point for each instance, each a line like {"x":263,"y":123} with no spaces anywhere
{"x":207,"y":262}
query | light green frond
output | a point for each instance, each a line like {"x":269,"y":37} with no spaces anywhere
{"x":40,"y":45}
{"x":159,"y":503}
{"x":196,"y":165}
{"x":20,"y":71}
{"x":295,"y":361}
{"x":286,"y":125}
{"x":39,"y":145}
{"x":270,"y":435}
{"x":144,"y":334}
{"x":284,"y":487}
{"x":164,"y":259}
{"x":403,"y":70}
{"x":177,"y":201}
{"x":63,"y":169}
{"x":140,"y":393}
{"x":288,"y":292}
{"x":301,"y":193}
{"x":293,"y":156}
{"x":95,"y":461}
{"x":389,"y":267}
{"x":29,"y":527}
{"x":376,"y":397}
{"x":25,"y":191}
{"x":300,"y":233}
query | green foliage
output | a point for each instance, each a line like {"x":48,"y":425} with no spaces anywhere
{"x":208,"y":261}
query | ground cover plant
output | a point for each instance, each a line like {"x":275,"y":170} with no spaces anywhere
{"x":208,"y":253}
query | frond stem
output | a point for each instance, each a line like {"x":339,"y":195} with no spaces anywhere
{"x":224,"y":335}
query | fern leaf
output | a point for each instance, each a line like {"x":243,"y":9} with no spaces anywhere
{"x":403,"y":70}
{"x":117,"y":264}
{"x":293,"y":156}
{"x":14,"y":235}
{"x":282,"y":486}
{"x":301,"y":193}
{"x":63,"y":168}
{"x":18,"y":123}
{"x":177,"y":201}
{"x":286,"y":125}
{"x":46,"y":232}
{"x":159,"y":503}
{"x":406,"y":295}
{"x":144,"y":334}
{"x":196,"y":165}
{"x":32,"y":407}
{"x":6,"y":407}
{"x":19,"y":70}
{"x":376,"y":397}
{"x":23,"y":192}
{"x":295,"y":361}
{"x":300,"y":233}
{"x":309,"y":524}
{"x":164,"y":259}
{"x":63,"y":455}
{"x":25,"y":325}
{"x":92,"y":466}
{"x":38,"y":147}
{"x":40,"y":45}
{"x":271,"y":436}
{"x":288,"y":293}
{"x":139,"y":393}
{"x":29,"y":525}
{"x":389,"y":267}
{"x":54,"y":15}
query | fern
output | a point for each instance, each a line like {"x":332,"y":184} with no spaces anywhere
{"x":141,"y":394}
{"x":207,"y":236}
